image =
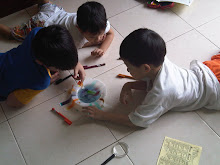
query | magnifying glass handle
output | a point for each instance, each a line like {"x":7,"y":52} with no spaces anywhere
{"x":110,"y":158}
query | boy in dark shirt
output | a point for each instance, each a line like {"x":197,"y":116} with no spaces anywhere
{"x":25,"y":70}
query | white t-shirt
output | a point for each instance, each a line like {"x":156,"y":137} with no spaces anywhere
{"x":68,"y":20}
{"x":178,"y":89}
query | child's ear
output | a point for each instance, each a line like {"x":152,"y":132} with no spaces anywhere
{"x":147,"y":67}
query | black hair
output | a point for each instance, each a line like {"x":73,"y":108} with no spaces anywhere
{"x":54,"y":47}
{"x":143,"y":46}
{"x":91,"y":17}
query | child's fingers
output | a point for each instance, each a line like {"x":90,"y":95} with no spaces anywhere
{"x":76,"y":73}
{"x":91,"y":115}
{"x":88,"y":111}
{"x":97,"y":52}
{"x":92,"y":108}
{"x":94,"y":52}
{"x":88,"y":108}
{"x":82,"y":76}
{"x":100,"y":53}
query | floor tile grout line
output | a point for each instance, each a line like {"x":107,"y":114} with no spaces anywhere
{"x":182,"y":19}
{"x":207,"y":38}
{"x":180,"y":35}
{"x":3,"y":113}
{"x":208,"y":125}
{"x":17,"y":143}
{"x":28,"y":12}
{"x":108,"y":70}
{"x":118,"y":32}
{"x":122,"y":147}
{"x":119,"y":139}
{"x":125,"y":10}
{"x":96,"y":153}
{"x":194,"y":28}
{"x":208,"y":22}
{"x":32,"y":107}
{"x":105,"y":148}
{"x":106,"y":124}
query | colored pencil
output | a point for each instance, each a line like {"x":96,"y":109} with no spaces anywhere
{"x":93,"y":66}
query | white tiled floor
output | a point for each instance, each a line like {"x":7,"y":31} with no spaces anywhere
{"x":34,"y":135}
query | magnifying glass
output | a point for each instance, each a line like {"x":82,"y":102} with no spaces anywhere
{"x":119,"y":151}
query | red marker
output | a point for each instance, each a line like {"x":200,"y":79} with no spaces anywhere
{"x":93,"y":66}
{"x":65,"y":119}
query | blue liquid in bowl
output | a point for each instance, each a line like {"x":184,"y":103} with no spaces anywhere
{"x":89,"y":94}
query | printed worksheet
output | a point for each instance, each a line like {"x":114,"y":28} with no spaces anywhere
{"x":176,"y":152}
{"x":185,"y":2}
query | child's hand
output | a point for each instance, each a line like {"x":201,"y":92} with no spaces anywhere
{"x":97,"y":52}
{"x":94,"y":113}
{"x":126,"y":94}
{"x":54,"y":77}
{"x":79,"y":72}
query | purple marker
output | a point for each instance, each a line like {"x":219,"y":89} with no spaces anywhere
{"x":93,"y":66}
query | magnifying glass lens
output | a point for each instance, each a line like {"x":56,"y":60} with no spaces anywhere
{"x":118,"y":151}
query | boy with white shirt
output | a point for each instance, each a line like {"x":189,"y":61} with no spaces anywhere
{"x":88,"y":27}
{"x":168,"y":86}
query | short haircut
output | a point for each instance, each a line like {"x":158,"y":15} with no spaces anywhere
{"x":91,"y":17}
{"x":54,"y":47}
{"x":143,"y":46}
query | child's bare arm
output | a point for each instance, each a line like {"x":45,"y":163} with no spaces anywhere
{"x":108,"y":40}
{"x":117,"y":118}
{"x":126,"y":93}
{"x":88,"y":44}
{"x":54,"y":77}
{"x":5,"y":31}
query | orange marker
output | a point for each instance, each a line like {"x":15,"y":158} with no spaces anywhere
{"x":124,"y":76}
{"x":72,"y":104}
{"x":80,"y":83}
{"x":65,"y":119}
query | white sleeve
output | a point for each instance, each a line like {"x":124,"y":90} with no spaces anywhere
{"x":146,"y":114}
{"x":108,"y":26}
